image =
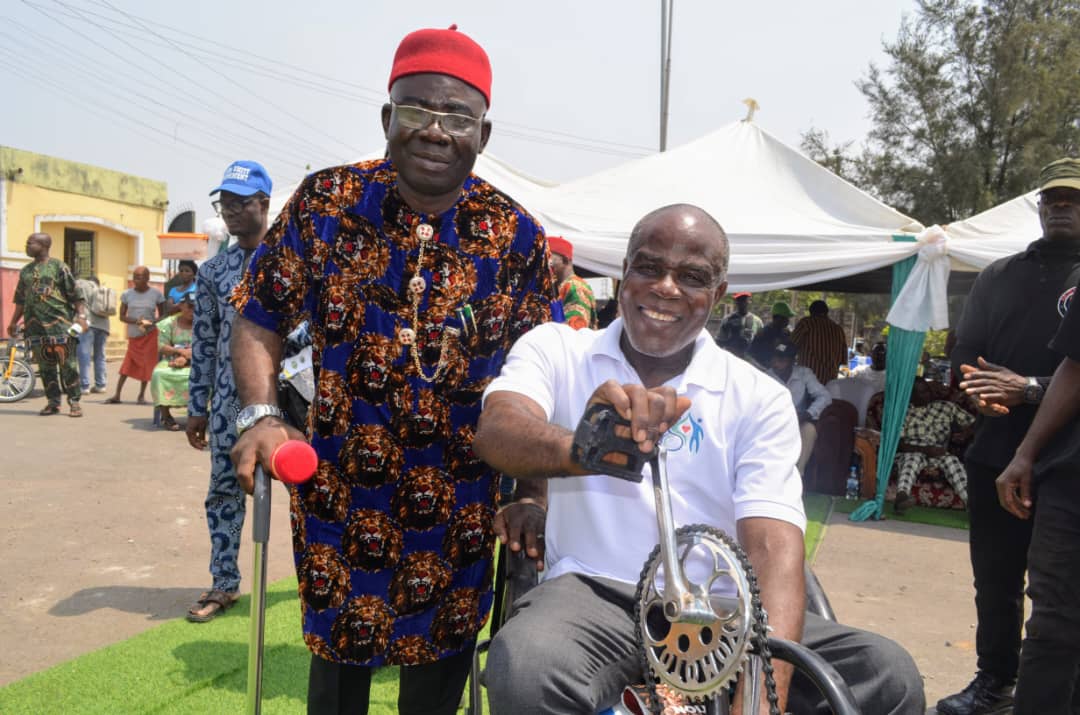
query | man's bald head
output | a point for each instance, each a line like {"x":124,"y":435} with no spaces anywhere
{"x":141,"y":278}
{"x":682,"y":217}
{"x":141,"y":272}
{"x":38,"y":245}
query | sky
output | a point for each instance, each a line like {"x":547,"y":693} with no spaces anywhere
{"x":176,"y":91}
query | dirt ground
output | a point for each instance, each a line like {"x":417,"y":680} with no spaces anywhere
{"x":104,"y":536}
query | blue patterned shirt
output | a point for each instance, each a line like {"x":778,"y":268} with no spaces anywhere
{"x":393,"y":536}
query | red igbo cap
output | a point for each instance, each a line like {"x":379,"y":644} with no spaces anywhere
{"x":743,"y":294}
{"x":446,"y":52}
{"x":561,"y":246}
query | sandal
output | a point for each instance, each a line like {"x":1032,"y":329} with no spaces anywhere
{"x":112,"y":401}
{"x":49,"y":410}
{"x":75,"y":410}
{"x":217,"y":599}
{"x":170,"y":424}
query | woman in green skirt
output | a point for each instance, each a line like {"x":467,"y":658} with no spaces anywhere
{"x":169,"y":383}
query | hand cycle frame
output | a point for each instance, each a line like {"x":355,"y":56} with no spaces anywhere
{"x":704,"y":644}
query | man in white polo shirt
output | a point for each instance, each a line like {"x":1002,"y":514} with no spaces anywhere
{"x":733,"y":439}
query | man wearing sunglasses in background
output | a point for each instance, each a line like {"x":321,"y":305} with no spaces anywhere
{"x":243,"y":202}
{"x":416,"y":276}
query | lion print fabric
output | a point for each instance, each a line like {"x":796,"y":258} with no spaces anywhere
{"x":393,"y":535}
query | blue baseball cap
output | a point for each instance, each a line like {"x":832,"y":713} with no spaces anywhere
{"x":245,"y":178}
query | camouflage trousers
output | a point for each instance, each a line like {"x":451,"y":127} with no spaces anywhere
{"x":58,"y":364}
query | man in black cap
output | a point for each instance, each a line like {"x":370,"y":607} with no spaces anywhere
{"x":1051,"y":654}
{"x":1012,"y":312}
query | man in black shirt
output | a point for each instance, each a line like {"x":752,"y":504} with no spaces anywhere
{"x":1050,"y":658}
{"x":1012,"y":312}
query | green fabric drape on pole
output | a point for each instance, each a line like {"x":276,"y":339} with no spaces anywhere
{"x":904,"y":353}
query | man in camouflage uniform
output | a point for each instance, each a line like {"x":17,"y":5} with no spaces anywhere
{"x":47,"y":302}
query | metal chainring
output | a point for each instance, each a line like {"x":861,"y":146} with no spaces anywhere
{"x":695,"y":660}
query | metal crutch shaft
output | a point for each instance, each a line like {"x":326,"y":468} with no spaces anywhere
{"x":260,"y":535}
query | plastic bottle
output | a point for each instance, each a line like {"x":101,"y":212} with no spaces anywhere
{"x":852,"y":491}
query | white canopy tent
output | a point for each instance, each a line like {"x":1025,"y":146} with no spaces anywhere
{"x":791,"y":222}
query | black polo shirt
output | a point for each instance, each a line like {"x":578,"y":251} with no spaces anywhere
{"x":1013,"y":311}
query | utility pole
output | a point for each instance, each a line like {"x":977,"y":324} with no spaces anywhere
{"x":667,"y":8}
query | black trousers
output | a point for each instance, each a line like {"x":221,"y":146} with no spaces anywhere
{"x":434,"y":689}
{"x":999,"y":548}
{"x":1050,"y":660}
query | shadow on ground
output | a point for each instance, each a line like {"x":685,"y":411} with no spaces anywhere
{"x":157,"y":604}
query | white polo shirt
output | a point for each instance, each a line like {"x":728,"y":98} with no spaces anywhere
{"x":731,"y":456}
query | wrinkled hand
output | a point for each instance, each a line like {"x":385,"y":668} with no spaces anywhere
{"x":257,"y":445}
{"x":994,"y":388}
{"x":1014,"y":488}
{"x":522,"y":523}
{"x":196,"y":431}
{"x":651,"y":412}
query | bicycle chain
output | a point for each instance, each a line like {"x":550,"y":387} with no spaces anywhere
{"x":759,"y":625}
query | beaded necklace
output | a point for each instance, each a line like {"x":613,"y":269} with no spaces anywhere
{"x":417,"y":285}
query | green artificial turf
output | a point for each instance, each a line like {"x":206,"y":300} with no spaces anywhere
{"x":952,"y":518}
{"x":818,"y":507}
{"x":196,"y":669}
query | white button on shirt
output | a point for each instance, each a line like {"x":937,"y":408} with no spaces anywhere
{"x":731,"y":456}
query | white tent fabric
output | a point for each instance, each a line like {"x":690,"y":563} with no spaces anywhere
{"x":790,"y":221}
{"x":995,"y":233}
{"x":522,"y":187}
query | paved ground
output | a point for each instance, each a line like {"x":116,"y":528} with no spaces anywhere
{"x":910,"y":582}
{"x":104,"y":536}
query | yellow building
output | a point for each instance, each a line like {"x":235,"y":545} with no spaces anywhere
{"x":102,"y":222}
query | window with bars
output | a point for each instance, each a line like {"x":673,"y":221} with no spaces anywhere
{"x":79,"y":252}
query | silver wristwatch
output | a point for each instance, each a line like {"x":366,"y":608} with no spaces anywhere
{"x":253,"y":413}
{"x":1033,"y":391}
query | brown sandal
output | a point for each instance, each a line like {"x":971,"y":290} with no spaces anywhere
{"x":217,"y":598}
{"x":49,"y":410}
{"x":75,"y":410}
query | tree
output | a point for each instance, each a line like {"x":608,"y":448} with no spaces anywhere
{"x":975,"y":99}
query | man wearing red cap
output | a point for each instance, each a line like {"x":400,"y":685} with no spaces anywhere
{"x":579,"y":305}
{"x":416,"y":277}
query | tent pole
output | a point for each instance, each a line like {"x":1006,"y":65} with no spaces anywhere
{"x":667,"y":8}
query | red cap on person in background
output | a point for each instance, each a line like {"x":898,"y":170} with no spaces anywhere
{"x":561,"y":246}
{"x":447,"y":52}
{"x":741,"y":294}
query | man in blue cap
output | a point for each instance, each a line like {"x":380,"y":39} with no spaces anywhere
{"x":243,"y":202}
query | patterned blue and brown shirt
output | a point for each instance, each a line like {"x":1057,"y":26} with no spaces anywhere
{"x":393,"y":536}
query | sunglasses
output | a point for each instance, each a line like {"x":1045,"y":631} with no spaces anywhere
{"x":458,"y":125}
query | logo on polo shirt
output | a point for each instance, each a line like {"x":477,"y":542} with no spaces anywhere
{"x":687,"y":433}
{"x":1065,"y":301}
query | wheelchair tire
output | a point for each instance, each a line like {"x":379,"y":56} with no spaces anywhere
{"x":19,"y":383}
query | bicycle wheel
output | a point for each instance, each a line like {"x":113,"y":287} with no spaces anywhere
{"x":18,"y":384}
